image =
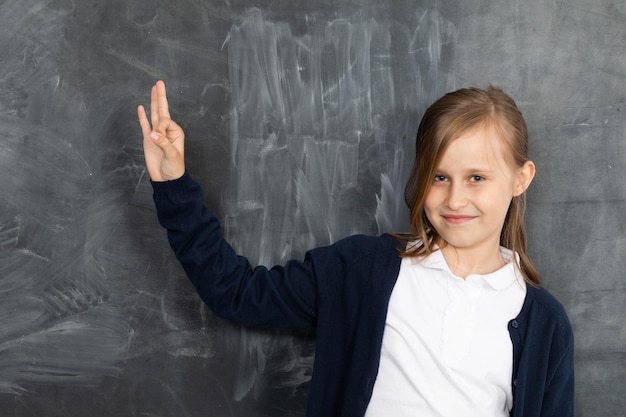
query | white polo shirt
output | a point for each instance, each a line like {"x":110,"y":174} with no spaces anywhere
{"x":446,"y":348}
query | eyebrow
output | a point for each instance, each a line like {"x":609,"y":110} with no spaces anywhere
{"x":470,"y":170}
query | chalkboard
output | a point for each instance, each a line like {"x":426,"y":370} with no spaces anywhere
{"x":300,"y":119}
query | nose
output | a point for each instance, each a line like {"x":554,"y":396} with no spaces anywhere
{"x":457,"y":197}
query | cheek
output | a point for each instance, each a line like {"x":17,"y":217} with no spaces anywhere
{"x":432,"y":200}
{"x":432,"y":204}
{"x":499,"y":202}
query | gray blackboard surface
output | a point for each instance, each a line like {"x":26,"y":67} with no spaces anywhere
{"x":300,"y":118}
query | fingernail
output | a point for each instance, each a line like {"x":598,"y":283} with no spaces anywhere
{"x":154,"y":135}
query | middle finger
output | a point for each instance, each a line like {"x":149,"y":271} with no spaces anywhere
{"x":162,"y":100}
{"x":154,"y":113}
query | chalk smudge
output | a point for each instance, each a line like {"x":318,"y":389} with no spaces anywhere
{"x":314,"y":119}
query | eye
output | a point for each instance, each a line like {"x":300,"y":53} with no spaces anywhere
{"x":439,"y":178}
{"x":477,"y":178}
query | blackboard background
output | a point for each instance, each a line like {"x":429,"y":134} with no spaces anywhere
{"x":300,"y":117}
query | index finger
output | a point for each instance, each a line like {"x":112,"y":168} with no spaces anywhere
{"x":163,"y":107}
{"x":143,"y":121}
{"x":154,"y":113}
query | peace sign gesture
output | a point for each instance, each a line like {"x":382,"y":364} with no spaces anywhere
{"x":164,"y":141}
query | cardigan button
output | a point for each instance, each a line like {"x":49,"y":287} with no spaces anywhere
{"x":514,"y":324}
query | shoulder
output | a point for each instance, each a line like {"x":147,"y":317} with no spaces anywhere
{"x":364,"y":245}
{"x":368,"y":243}
{"x":356,"y":268}
{"x":360,"y":251}
{"x":545,"y":313}
{"x":544,"y":301}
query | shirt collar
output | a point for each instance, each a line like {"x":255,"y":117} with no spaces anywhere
{"x":498,"y":280}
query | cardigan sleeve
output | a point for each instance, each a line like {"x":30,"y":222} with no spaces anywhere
{"x":284,"y":296}
{"x":558,"y":400}
{"x":543,"y":345}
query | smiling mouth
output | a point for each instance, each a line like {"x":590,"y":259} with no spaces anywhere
{"x":458,"y":219}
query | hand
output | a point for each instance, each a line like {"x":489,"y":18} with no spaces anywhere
{"x":164,"y":142}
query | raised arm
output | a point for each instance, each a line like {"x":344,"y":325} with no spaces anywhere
{"x":284,"y":296}
{"x":163,"y":139}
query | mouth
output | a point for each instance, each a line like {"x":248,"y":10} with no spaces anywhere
{"x":457,"y":219}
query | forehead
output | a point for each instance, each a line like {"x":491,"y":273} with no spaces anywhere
{"x":477,"y":146}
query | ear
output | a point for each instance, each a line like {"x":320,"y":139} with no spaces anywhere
{"x":525,"y":176}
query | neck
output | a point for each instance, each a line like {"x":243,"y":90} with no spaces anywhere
{"x":467,"y":261}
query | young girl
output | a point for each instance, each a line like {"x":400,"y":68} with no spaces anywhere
{"x":448,"y":320}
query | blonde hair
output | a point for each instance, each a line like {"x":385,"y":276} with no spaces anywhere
{"x":445,"y":120}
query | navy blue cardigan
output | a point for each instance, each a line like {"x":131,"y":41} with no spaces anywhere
{"x":343,"y":290}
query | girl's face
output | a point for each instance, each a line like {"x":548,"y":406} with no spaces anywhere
{"x":471,"y":191}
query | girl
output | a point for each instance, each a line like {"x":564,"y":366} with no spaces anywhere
{"x":448,"y":320}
